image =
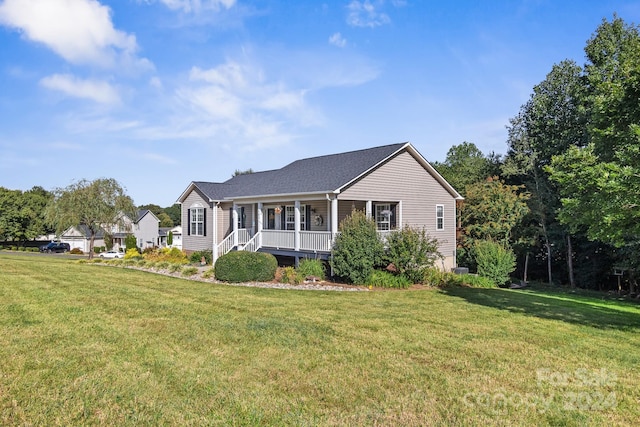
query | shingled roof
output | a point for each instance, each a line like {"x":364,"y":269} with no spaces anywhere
{"x":323,"y":174}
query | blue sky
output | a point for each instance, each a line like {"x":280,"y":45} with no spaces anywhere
{"x":159,"y":93}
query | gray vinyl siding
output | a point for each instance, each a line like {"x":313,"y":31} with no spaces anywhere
{"x":196,"y":243}
{"x":403,"y":179}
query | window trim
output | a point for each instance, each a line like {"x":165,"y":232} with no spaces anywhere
{"x":439,"y":217}
{"x":378,"y":209}
{"x":197,"y":220}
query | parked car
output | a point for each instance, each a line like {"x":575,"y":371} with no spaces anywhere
{"x":111,"y":254}
{"x":55,"y":247}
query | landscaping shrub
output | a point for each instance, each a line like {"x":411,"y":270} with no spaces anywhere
{"x":130,"y":242}
{"x":196,"y":257}
{"x":209,"y":273}
{"x":132,"y":254}
{"x":173,"y":255}
{"x":291,"y":276}
{"x":174,"y":267}
{"x":435,"y":277}
{"x":242,"y":266}
{"x":310,"y":267}
{"x":357,"y":249}
{"x":189,"y":271}
{"x":494,"y":261}
{"x":411,"y":250}
{"x":476,"y":281}
{"x":384,"y":279}
{"x":76,"y":251}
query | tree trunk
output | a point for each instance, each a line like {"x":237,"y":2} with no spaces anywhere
{"x":547,"y":245}
{"x":572,"y":280}
{"x":526,"y":267}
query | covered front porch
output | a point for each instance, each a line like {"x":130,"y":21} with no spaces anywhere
{"x":298,"y":228}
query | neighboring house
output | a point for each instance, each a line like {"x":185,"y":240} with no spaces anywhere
{"x":295,"y":211}
{"x":145,"y":228}
{"x":177,"y":236}
{"x":80,"y":237}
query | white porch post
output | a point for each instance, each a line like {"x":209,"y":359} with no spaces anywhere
{"x":235,"y":224}
{"x":399,"y":215}
{"x":260,"y":224}
{"x":369,"y":209}
{"x":214,"y":232}
{"x":296,"y":235}
{"x":334,"y":216}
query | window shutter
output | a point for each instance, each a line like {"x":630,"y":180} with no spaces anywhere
{"x":283,"y":218}
{"x":242,"y":218}
{"x":188,"y":222}
{"x":204,"y":221}
{"x":307,"y":217}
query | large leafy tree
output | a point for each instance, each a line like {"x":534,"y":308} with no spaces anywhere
{"x":94,"y":204}
{"x":22,"y":214}
{"x":600,"y":183}
{"x":553,"y":120}
{"x":465,"y":164}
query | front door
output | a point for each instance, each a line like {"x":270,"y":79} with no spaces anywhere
{"x":271,"y":219}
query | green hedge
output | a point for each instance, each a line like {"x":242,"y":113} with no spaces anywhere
{"x":241,"y":266}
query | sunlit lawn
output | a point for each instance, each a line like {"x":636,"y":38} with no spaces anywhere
{"x":85,"y":344}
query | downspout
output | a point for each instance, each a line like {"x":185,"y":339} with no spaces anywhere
{"x":214,"y":226}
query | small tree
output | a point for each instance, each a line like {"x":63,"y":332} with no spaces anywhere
{"x":130,"y":242}
{"x":170,"y":238}
{"x":108,"y":241}
{"x":410,"y":251}
{"x":495,"y":261}
{"x":357,"y":249}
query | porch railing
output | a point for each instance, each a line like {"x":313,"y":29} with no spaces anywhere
{"x":252,"y":244}
{"x":226,"y":245}
{"x":316,"y":241}
{"x":280,"y":239}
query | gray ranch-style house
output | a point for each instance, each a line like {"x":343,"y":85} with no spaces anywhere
{"x":295,"y":211}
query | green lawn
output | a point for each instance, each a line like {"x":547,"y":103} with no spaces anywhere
{"x":85,"y":344}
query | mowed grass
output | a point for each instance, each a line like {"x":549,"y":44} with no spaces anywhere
{"x":87,"y":344}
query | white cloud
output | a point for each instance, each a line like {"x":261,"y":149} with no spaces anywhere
{"x":336,"y":39}
{"x":195,"y":6}
{"x":96,"y":90}
{"x":366,"y":14}
{"x":80,"y":31}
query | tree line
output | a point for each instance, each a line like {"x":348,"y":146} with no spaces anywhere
{"x":27,"y":215}
{"x":565,"y":197}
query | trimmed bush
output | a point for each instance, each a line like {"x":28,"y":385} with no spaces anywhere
{"x":384,"y":279}
{"x":242,"y":266}
{"x":357,"y":249}
{"x":477,"y":281}
{"x":76,"y":251}
{"x":494,"y":261}
{"x":173,"y":255}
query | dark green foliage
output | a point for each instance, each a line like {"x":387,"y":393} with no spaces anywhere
{"x":196,"y":257}
{"x":311,"y":267}
{"x":411,"y":250}
{"x":357,"y":249}
{"x":170,"y":238}
{"x":384,"y":279}
{"x":494,"y":261}
{"x":241,"y":266}
{"x":130,"y":242}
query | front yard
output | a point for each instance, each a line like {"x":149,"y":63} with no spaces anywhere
{"x":87,"y":345}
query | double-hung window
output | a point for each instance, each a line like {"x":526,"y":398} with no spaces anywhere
{"x":197,"y":221}
{"x":290,"y":217}
{"x":383,"y":216}
{"x":439,"y":217}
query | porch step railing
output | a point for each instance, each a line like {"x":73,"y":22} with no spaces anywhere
{"x":252,"y":245}
{"x":226,"y":245}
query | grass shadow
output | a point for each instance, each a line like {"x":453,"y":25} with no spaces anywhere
{"x":562,"y":306}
